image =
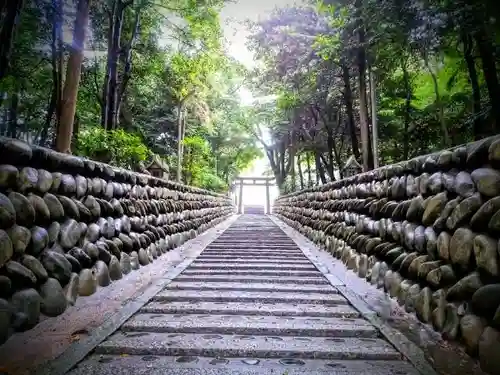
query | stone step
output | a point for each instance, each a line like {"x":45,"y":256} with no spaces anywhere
{"x":197,"y":365}
{"x":254,"y":246}
{"x":254,"y":287}
{"x":230,"y":278}
{"x":251,"y":325}
{"x":211,"y":345}
{"x":252,"y":252}
{"x":246,"y":296}
{"x":235,"y":260}
{"x":253,"y":272}
{"x":251,"y":308}
{"x":251,"y":266}
{"x":226,"y":255}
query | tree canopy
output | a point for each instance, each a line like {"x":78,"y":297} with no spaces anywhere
{"x":119,"y":80}
{"x":425,"y":71}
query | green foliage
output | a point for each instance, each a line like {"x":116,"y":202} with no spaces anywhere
{"x":116,"y":147}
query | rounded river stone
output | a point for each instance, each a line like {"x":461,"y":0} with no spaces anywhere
{"x":53,"y":299}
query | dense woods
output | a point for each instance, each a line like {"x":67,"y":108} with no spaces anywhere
{"x":119,"y":80}
{"x":424,"y":73}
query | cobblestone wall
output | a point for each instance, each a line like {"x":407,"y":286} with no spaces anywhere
{"x":69,"y":225}
{"x":426,"y":231}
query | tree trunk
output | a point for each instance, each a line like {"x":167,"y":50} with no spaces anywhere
{"x":309,"y":174}
{"x":14,"y":104}
{"x":9,"y":23}
{"x":127,"y":62}
{"x":180,"y":132}
{"x":111,"y":116}
{"x":105,"y":88}
{"x":363,"y":109}
{"x":301,"y":175}
{"x":478,"y":131}
{"x":320,"y":170}
{"x":408,"y":89}
{"x":490,"y":72}
{"x":73,"y":70}
{"x":50,"y":113}
{"x":350,"y":112}
{"x":442,"y":120}
{"x":293,"y":177}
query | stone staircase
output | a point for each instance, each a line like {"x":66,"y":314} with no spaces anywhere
{"x":251,"y":303}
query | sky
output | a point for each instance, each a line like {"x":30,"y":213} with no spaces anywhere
{"x":232,"y":18}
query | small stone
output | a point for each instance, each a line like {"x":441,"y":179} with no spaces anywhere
{"x":56,"y":209}
{"x":7,"y":212}
{"x":452,"y":322}
{"x":486,"y":300}
{"x":19,"y":274}
{"x":433,"y":208}
{"x":53,"y":299}
{"x":39,"y":240}
{"x":125,"y":263}
{"x":71,"y":290}
{"x":81,"y":256}
{"x":143,"y":257}
{"x":464,"y":186}
{"x":27,"y":179}
{"x":461,"y":247}
{"x":53,"y":232}
{"x":25,"y":213}
{"x":487,"y":181}
{"x":20,"y":237}
{"x":134,"y":260}
{"x":423,"y":304}
{"x":42,"y":213}
{"x":69,"y":234}
{"x":8,"y":176}
{"x":6,"y":248}
{"x":482,"y":217}
{"x":88,"y":282}
{"x":102,"y":273}
{"x":27,"y":302}
{"x":471,"y":327}
{"x":115,"y":272}
{"x":35,"y":266}
{"x":488,"y":349}
{"x":91,"y":250}
{"x":465,"y":288}
{"x":485,"y":251}
{"x":70,"y":208}
{"x":44,"y":182}
{"x":464,"y":211}
{"x":57,"y":266}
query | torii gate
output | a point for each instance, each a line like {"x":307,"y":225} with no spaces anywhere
{"x":253,"y":181}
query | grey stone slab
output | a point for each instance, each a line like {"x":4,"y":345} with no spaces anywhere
{"x":238,"y":296}
{"x":253,"y":272}
{"x":246,"y":255}
{"x":229,"y":278}
{"x":234,"y":260}
{"x":251,"y":266}
{"x":165,"y":365}
{"x":251,"y":308}
{"x":211,"y":345}
{"x":255,"y":287}
{"x":251,"y":325}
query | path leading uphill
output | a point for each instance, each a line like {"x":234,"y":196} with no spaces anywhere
{"x":251,"y":303}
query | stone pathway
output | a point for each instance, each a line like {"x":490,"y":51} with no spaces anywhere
{"x":251,"y":303}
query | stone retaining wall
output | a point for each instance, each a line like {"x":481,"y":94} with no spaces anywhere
{"x":68,"y":225}
{"x":427,"y":231}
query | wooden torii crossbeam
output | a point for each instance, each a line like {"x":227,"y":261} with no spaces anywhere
{"x":253,"y":181}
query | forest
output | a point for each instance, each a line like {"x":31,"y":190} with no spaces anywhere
{"x":120,"y":80}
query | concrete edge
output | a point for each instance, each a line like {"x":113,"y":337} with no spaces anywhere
{"x":78,"y":350}
{"x":407,"y":348}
